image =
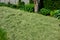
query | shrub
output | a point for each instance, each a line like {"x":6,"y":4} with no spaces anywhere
{"x":3,"y":4}
{"x":3,"y":35}
{"x":8,"y":5}
{"x":13,"y":6}
{"x":19,"y":2}
{"x":29,"y":7}
{"x":31,"y":1}
{"x":45,"y":11}
{"x":55,"y":13}
{"x":59,"y":17}
{"x":22,"y":5}
{"x":52,"y":4}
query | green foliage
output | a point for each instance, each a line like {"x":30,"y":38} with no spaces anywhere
{"x":55,"y":13}
{"x":45,"y":11}
{"x":3,"y":35}
{"x":8,"y":5}
{"x":13,"y":6}
{"x":29,"y":7}
{"x":19,"y":2}
{"x":21,"y":5}
{"x":57,"y":16}
{"x":31,"y":1}
{"x":3,"y":4}
{"x":52,"y":4}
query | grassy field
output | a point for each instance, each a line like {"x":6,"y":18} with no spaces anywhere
{"x":21,"y":25}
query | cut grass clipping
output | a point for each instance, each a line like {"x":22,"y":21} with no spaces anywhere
{"x":3,"y":35}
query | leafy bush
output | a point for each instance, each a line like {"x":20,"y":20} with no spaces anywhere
{"x":55,"y":13}
{"x":45,"y":11}
{"x":21,"y":5}
{"x":57,"y":16}
{"x":19,"y":2}
{"x":52,"y":4}
{"x":3,"y":4}
{"x":8,"y":5}
{"x":3,"y":35}
{"x":13,"y":6}
{"x":31,"y":1}
{"x":29,"y":7}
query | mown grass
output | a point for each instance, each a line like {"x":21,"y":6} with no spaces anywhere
{"x":3,"y":34}
{"x":22,"y":25}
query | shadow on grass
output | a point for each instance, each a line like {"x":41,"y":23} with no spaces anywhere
{"x":3,"y":34}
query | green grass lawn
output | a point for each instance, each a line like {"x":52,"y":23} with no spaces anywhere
{"x":21,"y":25}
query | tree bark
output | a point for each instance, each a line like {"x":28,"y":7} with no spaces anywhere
{"x":38,"y":5}
{"x":35,"y":5}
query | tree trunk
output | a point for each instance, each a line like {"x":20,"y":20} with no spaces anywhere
{"x":35,"y":5}
{"x":38,"y":5}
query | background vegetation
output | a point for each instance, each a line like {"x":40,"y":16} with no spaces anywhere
{"x":52,"y":4}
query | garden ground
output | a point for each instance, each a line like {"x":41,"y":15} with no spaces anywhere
{"x":21,"y":25}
